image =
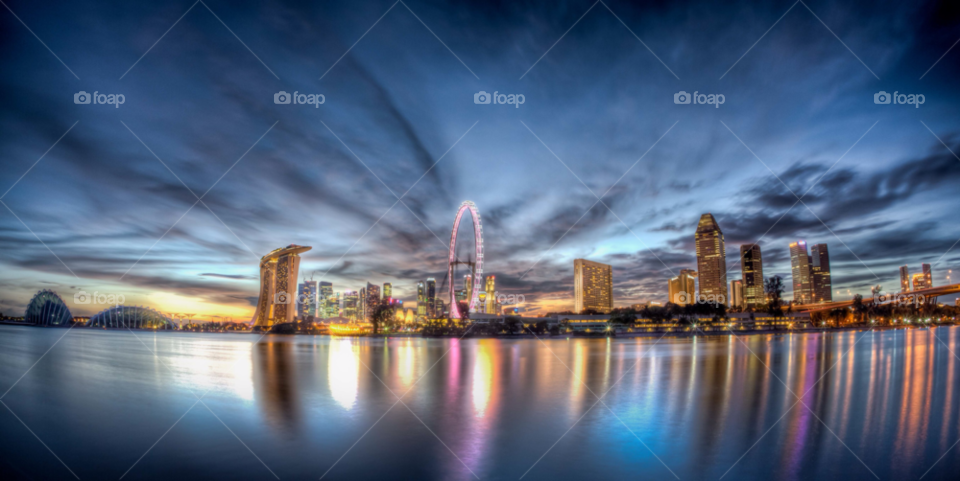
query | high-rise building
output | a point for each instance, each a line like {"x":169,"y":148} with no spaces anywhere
{"x":683,"y":288}
{"x":711,"y":260}
{"x":324,"y":297}
{"x":927,"y":274}
{"x":920,"y":281}
{"x":332,"y":306}
{"x":373,"y":301}
{"x":592,"y":286}
{"x":350,"y":303}
{"x":751,"y":267}
{"x":421,"y":299}
{"x":736,"y":293}
{"x":432,"y":299}
{"x":460,"y":294}
{"x":362,"y":305}
{"x":440,"y":308}
{"x":490,"y":306}
{"x":307,"y":299}
{"x":904,"y":278}
{"x":387,"y":290}
{"x":820,"y":273}
{"x":468,"y":287}
{"x":278,"y":281}
{"x":800,"y":273}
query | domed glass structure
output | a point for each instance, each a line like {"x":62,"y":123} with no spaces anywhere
{"x":47,"y":309}
{"x":131,"y":317}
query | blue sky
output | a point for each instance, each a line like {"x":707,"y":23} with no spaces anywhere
{"x":599,"y":114}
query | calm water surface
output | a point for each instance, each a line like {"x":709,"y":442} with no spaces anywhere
{"x":883,"y":403}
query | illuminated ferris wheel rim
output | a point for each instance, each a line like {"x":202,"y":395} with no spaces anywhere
{"x":452,"y":258}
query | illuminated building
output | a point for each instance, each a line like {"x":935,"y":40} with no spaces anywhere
{"x":490,"y":303}
{"x":387,"y":290}
{"x":131,"y":317}
{"x":904,"y":278}
{"x":592,"y":286}
{"x":682,"y":288}
{"x":800,"y":273}
{"x":751,"y":266}
{"x":820,"y":273}
{"x":468,"y":287}
{"x":432,"y":299}
{"x":350,"y":302}
{"x":332,"y":306}
{"x":711,"y":259}
{"x":440,"y":308}
{"x":736,"y":293}
{"x":278,"y":279}
{"x":421,"y":299}
{"x":362,"y":304}
{"x":326,"y":302}
{"x":307,"y":299}
{"x":46,"y":308}
{"x":920,"y":281}
{"x":461,"y":295}
{"x":373,"y":301}
{"x":927,"y":274}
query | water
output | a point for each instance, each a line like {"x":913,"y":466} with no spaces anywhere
{"x":699,"y":407}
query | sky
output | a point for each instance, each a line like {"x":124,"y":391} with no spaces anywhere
{"x":598,"y":162}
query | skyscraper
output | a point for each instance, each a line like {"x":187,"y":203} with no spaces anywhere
{"x":800,"y":273}
{"x":387,"y":290}
{"x":592,"y":286}
{"x":373,"y":301}
{"x":820,"y":273}
{"x":325,"y":298}
{"x":751,"y":264}
{"x":432,"y":299}
{"x":307,"y":299}
{"x":468,"y":287}
{"x":350,"y":302}
{"x":683,"y":288}
{"x":421,"y":299}
{"x":278,"y":279}
{"x":736,"y":293}
{"x":919,"y":281}
{"x":490,"y":306}
{"x":904,"y":278}
{"x":927,"y":274}
{"x":362,"y":305}
{"x":711,"y":260}
{"x":332,"y":306}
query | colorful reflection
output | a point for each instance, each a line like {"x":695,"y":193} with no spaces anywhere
{"x":343,"y":371}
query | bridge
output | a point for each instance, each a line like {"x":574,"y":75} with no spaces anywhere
{"x":928,"y":293}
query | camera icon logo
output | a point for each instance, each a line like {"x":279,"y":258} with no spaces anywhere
{"x":681,"y":97}
{"x":281,"y":97}
{"x":281,"y":297}
{"x":682,"y":298}
{"x":81,"y":297}
{"x":481,"y":97}
{"x":81,"y":97}
{"x":881,"y":97}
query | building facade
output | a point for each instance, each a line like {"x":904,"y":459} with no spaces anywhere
{"x":711,"y":260}
{"x":683,"y":288}
{"x":372,"y":301}
{"x":927,"y":274}
{"x":351,"y":300}
{"x":592,"y":286}
{"x":387,"y":290}
{"x":307,"y":299}
{"x":820,"y":273}
{"x":432,"y":299}
{"x":278,"y":281}
{"x":751,"y":266}
{"x":904,"y":278}
{"x":490,"y":303}
{"x":421,"y":299}
{"x":736,"y":293}
{"x":920,"y":281}
{"x":800,"y":273}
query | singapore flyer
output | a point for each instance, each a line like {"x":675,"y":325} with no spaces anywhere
{"x":466,"y":206}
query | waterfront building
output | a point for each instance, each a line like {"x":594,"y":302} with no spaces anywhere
{"x":373,"y":301}
{"x":307,"y":299}
{"x":800,"y":273}
{"x":325,"y":299}
{"x":468,"y":287}
{"x":432,"y":299}
{"x":736,"y":293}
{"x":683,"y":288}
{"x":350,"y":304}
{"x":927,"y":274}
{"x":131,"y":317}
{"x":751,"y":266}
{"x":920,"y":281}
{"x":331,"y":307}
{"x":421,"y":299}
{"x":46,"y":308}
{"x":490,"y":304}
{"x":387,"y":290}
{"x":278,"y":279}
{"x":711,"y":259}
{"x":592,"y":286}
{"x":820,"y":273}
{"x":904,"y":278}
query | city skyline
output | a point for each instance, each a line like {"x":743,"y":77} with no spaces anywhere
{"x":98,"y":212}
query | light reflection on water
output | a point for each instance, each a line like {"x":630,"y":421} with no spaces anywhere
{"x":301,"y":402}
